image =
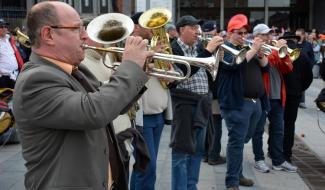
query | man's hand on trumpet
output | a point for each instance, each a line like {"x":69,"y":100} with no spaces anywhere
{"x":280,"y":43}
{"x":215,"y":42}
{"x":136,"y":50}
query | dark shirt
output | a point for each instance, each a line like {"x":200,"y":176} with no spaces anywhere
{"x":253,"y":82}
{"x":230,"y":79}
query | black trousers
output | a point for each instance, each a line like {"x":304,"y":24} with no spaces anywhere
{"x":6,"y":82}
{"x":290,"y":116}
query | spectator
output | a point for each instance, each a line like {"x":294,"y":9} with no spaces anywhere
{"x":10,"y":59}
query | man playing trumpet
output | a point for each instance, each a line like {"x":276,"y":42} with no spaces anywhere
{"x":62,"y":112}
{"x":240,"y":93}
{"x":191,"y":106}
{"x":276,"y":93}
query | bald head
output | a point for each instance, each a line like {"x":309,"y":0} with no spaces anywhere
{"x":42,"y":14}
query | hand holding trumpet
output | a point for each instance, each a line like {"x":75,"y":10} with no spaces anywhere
{"x":280,"y":43}
{"x":136,"y":50}
{"x":215,"y":42}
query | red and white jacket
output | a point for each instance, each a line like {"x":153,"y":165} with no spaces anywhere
{"x":283,"y":65}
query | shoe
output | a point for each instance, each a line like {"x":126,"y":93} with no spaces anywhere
{"x":246,"y":181}
{"x":221,"y":160}
{"x":302,"y":105}
{"x":261,"y":166}
{"x":205,"y":159}
{"x":285,"y":166}
{"x":233,"y":188}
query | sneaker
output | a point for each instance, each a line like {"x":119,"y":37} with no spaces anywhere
{"x":205,"y":159}
{"x":233,"y":188}
{"x":285,"y":166}
{"x":261,"y":166}
{"x":221,"y":160}
{"x":246,"y":181}
{"x":302,"y":105}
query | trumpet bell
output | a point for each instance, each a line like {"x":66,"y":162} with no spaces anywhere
{"x":110,"y":28}
{"x":155,"y":18}
{"x":293,"y":54}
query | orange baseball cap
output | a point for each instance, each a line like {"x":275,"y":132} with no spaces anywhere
{"x":237,"y":22}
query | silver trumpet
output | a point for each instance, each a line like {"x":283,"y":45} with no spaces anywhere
{"x":209,"y":63}
{"x":238,"y":55}
{"x":173,"y":75}
{"x":267,"y":49}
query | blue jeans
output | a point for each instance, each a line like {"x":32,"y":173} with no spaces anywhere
{"x":238,"y":123}
{"x":214,"y":154}
{"x":276,"y":132}
{"x":257,"y":138}
{"x":152,"y":129}
{"x":186,"y":167}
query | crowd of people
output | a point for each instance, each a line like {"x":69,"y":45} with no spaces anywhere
{"x":80,"y":119}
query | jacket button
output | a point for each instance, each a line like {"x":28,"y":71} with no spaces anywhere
{"x":104,"y":184}
{"x":105,"y":151}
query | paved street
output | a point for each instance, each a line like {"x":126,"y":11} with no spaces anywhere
{"x":211,"y":177}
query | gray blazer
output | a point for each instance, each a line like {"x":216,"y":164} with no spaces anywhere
{"x":63,"y":127}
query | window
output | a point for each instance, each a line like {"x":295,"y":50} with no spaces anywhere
{"x":87,"y":6}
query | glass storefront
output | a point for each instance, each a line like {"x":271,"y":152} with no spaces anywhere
{"x":281,"y":14}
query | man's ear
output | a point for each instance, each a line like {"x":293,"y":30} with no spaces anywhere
{"x":46,"y":34}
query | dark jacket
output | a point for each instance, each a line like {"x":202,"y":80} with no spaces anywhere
{"x":322,"y":70}
{"x":191,"y":111}
{"x":230,"y":88}
{"x":65,"y":130}
{"x":300,"y":78}
{"x":307,"y":48}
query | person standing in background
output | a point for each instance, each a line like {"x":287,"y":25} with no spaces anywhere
{"x":214,"y":132}
{"x":307,"y":48}
{"x":10,"y":58}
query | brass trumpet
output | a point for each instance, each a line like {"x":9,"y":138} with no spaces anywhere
{"x":22,"y":38}
{"x":267,"y":49}
{"x":293,"y":53}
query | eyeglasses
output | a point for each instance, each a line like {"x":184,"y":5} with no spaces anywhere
{"x":4,"y":26}
{"x":80,"y":29}
{"x":241,"y":33}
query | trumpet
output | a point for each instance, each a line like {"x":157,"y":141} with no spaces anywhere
{"x":293,"y":53}
{"x":238,"y":55}
{"x":22,"y":38}
{"x":209,"y":63}
{"x":161,"y":73}
{"x":267,"y":49}
{"x":126,"y":25}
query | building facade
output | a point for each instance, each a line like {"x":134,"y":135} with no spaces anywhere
{"x":278,"y":13}
{"x":285,"y":14}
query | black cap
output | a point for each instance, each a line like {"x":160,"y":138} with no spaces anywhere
{"x":135,"y":17}
{"x":186,"y":20}
{"x":208,"y":26}
{"x":3,"y":22}
{"x":289,"y":35}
